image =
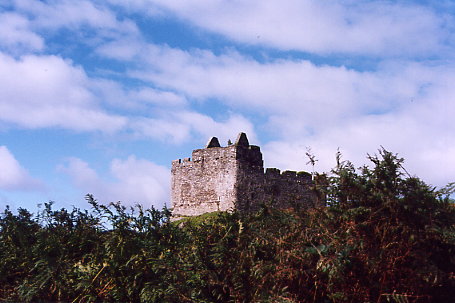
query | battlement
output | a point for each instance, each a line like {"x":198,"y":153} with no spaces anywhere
{"x":241,"y":150}
{"x":232,"y":177}
{"x":276,"y":173}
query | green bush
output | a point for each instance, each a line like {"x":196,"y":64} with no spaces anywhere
{"x":385,"y":236}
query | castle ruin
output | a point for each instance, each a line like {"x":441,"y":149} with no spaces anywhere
{"x":226,"y":178}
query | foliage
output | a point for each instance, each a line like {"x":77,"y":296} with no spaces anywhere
{"x":385,"y":236}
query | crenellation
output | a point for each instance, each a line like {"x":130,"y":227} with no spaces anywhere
{"x":232,"y":177}
{"x":213,"y":142}
{"x":242,"y":140}
{"x":271,"y":171}
{"x":304,"y":174}
{"x":289,"y":174}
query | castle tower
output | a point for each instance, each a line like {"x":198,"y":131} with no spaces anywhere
{"x":208,"y":181}
{"x":226,"y":178}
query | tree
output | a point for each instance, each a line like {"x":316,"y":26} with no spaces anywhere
{"x":385,"y":236}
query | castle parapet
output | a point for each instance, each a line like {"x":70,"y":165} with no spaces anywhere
{"x":242,"y":140}
{"x":180,"y":162}
{"x":272,"y":172}
{"x":220,"y":178}
{"x":304,"y":176}
{"x":289,"y":174}
{"x":213,"y":142}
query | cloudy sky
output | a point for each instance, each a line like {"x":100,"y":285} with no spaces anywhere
{"x":99,"y":96}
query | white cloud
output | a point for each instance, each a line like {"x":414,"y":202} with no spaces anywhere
{"x":153,"y":96}
{"x":13,"y":176}
{"x":228,"y":129}
{"x":47,"y":91}
{"x":121,"y":49}
{"x":422,"y":135}
{"x":55,"y":14}
{"x":182,"y":126}
{"x":401,"y":105}
{"x":16,"y":34}
{"x":360,"y":27}
{"x":139,"y":98}
{"x":165,"y":129}
{"x":88,"y":23}
{"x":138,"y":6}
{"x":404,"y":106}
{"x":133,"y":181}
{"x":288,"y":87}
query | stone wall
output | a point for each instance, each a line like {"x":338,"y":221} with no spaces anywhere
{"x":205,"y":183}
{"x":288,"y":189}
{"x":227,"y":178}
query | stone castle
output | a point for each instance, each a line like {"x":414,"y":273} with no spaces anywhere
{"x":226,"y":178}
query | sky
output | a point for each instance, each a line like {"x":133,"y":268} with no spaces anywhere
{"x":100,"y":96}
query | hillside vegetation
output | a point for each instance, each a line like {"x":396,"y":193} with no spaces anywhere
{"x":384,"y":237}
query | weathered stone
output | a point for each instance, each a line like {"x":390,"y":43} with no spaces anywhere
{"x":213,"y":142}
{"x":227,"y":178}
{"x":242,"y":140}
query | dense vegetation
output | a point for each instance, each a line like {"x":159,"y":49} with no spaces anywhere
{"x":384,"y":237}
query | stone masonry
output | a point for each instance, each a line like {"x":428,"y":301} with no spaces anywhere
{"x":232,"y":177}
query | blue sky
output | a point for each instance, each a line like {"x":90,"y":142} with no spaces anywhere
{"x":99,"y":96}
